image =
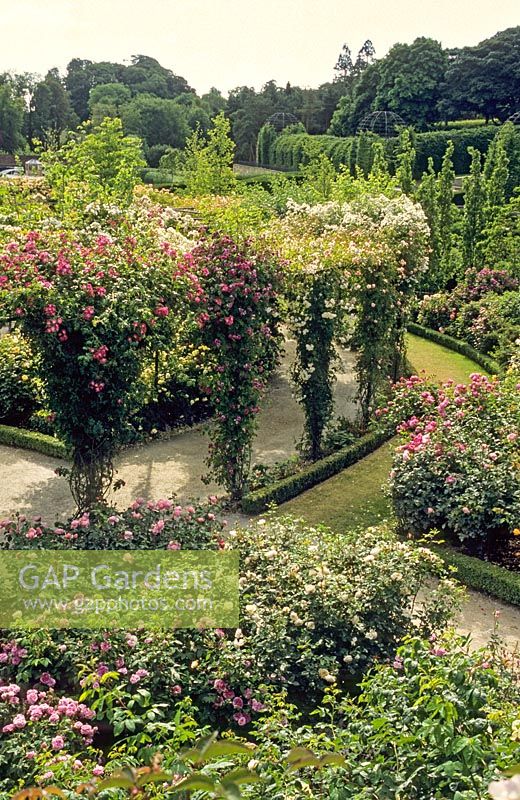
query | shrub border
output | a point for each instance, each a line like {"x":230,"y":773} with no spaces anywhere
{"x":32,"y":440}
{"x":493,"y":580}
{"x":463,"y":348}
{"x":286,"y":489}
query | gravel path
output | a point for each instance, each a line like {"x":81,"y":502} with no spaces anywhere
{"x":166,"y":467}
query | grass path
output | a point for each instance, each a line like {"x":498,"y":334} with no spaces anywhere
{"x":355,"y":497}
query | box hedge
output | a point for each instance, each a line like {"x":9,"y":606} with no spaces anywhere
{"x":289,"y":149}
{"x":286,"y":489}
{"x":482,"y":576}
{"x":457,"y":346}
{"x":32,"y":440}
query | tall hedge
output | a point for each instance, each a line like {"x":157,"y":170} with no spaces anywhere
{"x":288,"y":149}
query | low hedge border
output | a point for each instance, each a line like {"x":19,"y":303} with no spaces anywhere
{"x":482,"y":576}
{"x":286,"y":489}
{"x":32,"y":440}
{"x":463,"y":348}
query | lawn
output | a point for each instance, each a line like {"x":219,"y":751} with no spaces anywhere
{"x":355,"y":497}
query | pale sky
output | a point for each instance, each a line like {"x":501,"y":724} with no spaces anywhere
{"x":229,"y":43}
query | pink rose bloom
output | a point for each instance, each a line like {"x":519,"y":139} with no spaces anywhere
{"x":58,"y":743}
{"x":86,"y":730}
{"x":173,"y":546}
{"x":47,"y":679}
{"x":241,"y":718}
{"x":162,"y":311}
{"x":32,"y":696}
{"x":162,"y":505}
{"x":157,"y":527}
{"x":98,"y":770}
{"x":19,"y":721}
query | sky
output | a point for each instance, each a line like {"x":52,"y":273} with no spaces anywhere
{"x":229,"y":43}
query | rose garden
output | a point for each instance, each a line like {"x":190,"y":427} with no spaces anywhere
{"x":129,"y":313}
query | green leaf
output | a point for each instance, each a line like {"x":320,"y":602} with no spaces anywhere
{"x":330,"y":759}
{"x":194,"y":782}
{"x":153,"y":777}
{"x":241,"y":775}
{"x":226,"y":747}
{"x":297,"y":753}
{"x":118,"y":781}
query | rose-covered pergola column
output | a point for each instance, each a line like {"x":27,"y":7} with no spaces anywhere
{"x":237,"y":316}
{"x":92,"y":313}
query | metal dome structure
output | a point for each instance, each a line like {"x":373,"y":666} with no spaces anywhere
{"x":514,"y":118}
{"x":281,"y":119}
{"x":382,"y":123}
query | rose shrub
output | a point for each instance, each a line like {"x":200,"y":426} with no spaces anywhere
{"x":436,"y":714}
{"x":318,"y":606}
{"x":36,"y":719}
{"x":484,"y":310}
{"x":458,"y":467}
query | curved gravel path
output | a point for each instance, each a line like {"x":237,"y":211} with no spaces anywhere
{"x":166,"y":467}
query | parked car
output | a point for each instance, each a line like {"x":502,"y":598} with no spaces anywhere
{"x":12,"y":172}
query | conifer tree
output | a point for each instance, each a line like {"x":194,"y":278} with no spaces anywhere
{"x":474,"y":200}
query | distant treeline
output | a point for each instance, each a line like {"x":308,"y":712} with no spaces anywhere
{"x":425,"y":84}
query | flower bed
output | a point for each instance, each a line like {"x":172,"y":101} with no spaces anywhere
{"x":318,"y":610}
{"x":457,"y":469}
{"x":483,"y":311}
